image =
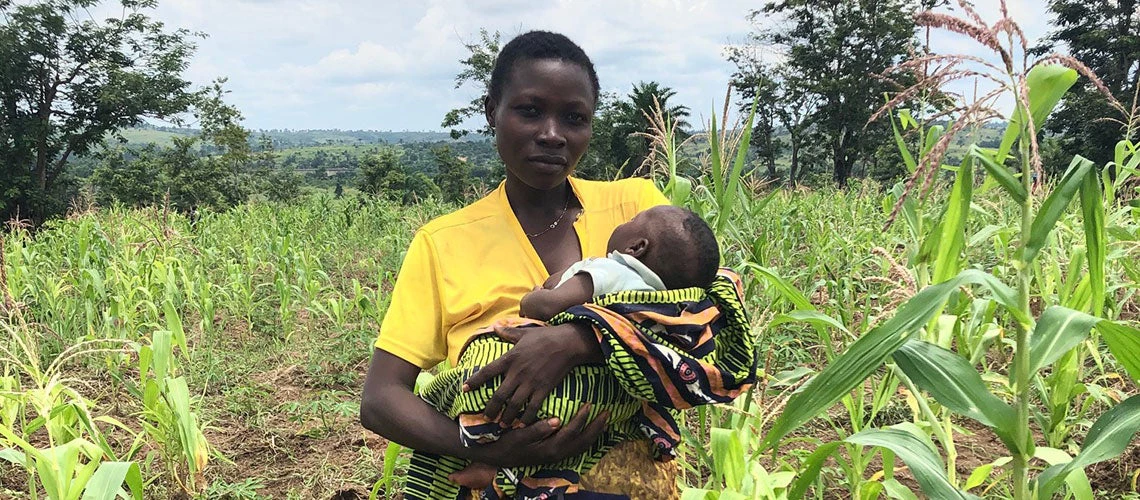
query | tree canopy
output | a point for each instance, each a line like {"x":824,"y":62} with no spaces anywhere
{"x":67,"y":82}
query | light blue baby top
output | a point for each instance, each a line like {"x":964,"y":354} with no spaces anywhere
{"x":615,"y":273}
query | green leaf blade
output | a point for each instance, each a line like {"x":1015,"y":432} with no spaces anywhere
{"x":1107,"y":438}
{"x":919,"y":455}
{"x":1057,"y":331}
{"x":955,"y":384}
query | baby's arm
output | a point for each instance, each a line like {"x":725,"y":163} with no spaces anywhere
{"x":543,"y":304}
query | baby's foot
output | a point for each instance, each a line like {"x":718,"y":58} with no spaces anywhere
{"x":476,"y":476}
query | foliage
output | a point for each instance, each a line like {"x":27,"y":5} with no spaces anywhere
{"x":216,"y":168}
{"x":1102,"y":36}
{"x":453,"y":179}
{"x":383,"y":174}
{"x":477,"y":71}
{"x":67,"y":82}
{"x":833,"y":47}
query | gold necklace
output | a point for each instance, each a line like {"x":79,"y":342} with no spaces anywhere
{"x":554,"y":224}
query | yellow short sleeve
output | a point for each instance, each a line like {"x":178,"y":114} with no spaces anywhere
{"x":413,"y":326}
{"x":650,"y":196}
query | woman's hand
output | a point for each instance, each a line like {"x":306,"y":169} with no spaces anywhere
{"x":540,"y":359}
{"x":543,"y":442}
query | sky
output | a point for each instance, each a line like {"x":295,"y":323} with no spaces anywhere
{"x":391,"y":65}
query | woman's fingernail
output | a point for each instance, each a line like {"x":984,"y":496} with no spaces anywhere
{"x":554,"y":422}
{"x":466,"y":388}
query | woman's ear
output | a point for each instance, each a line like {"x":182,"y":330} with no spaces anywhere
{"x":489,"y":111}
{"x":637,"y":248}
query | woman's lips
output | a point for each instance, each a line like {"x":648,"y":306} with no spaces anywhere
{"x":550,"y":159}
{"x":550,"y":164}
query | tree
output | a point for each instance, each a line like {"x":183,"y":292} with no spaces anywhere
{"x":783,"y":105}
{"x":601,"y":161}
{"x":68,"y":82}
{"x":453,"y":178}
{"x":382,"y":175}
{"x":630,"y":117}
{"x":477,"y":70}
{"x":1102,"y":35}
{"x":835,"y":47}
{"x":131,"y":177}
{"x":755,"y":84}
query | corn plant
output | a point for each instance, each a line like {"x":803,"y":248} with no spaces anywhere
{"x":950,"y":378}
{"x":168,"y":418}
{"x":78,"y":459}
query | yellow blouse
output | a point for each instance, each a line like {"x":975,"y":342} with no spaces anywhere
{"x":466,"y":269}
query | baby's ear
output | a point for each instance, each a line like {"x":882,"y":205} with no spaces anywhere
{"x":638,"y":247}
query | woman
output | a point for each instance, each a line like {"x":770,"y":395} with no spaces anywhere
{"x":469,"y":268}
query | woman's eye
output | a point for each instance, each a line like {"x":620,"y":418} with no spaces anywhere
{"x":578,"y":118}
{"x":529,"y":111}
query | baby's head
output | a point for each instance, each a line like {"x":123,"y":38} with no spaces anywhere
{"x":673,"y":242}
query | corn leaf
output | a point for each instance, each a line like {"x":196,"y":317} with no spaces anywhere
{"x":1001,"y":174}
{"x":897,"y":490}
{"x":698,"y":494}
{"x":1054,"y":207}
{"x":1124,"y":343}
{"x":947,"y":261}
{"x":786,"y":289}
{"x":1047,"y":84}
{"x":731,"y":185}
{"x":1092,"y":212}
{"x":919,"y":454}
{"x":954,"y":383}
{"x":13,"y":456}
{"x":161,"y":353}
{"x":1058,"y":330}
{"x":1077,"y":481}
{"x":679,"y":190}
{"x":109,"y":478}
{"x":869,"y":352}
{"x":908,"y":159}
{"x":1107,"y":438}
{"x":174,"y":325}
{"x":979,"y":476}
{"x":716,"y":166}
{"x":728,"y":457}
{"x":814,"y":318}
{"x":809,"y":470}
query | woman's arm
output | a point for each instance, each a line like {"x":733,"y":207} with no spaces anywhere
{"x":391,"y":409}
{"x":540,"y":359}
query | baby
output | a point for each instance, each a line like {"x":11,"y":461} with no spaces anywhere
{"x":662,"y":248}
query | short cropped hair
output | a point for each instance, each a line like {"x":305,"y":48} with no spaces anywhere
{"x":538,"y":45}
{"x":695,"y":263}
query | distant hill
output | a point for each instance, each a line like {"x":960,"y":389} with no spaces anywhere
{"x":286,"y":139}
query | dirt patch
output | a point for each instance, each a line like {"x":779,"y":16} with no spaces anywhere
{"x":1118,"y":475}
{"x":294,"y":448}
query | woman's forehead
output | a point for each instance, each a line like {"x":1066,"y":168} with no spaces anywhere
{"x":556,"y":77}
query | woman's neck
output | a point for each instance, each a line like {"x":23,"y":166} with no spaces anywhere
{"x":527,"y":201}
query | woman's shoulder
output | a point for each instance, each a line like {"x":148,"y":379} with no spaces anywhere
{"x":459,"y":220}
{"x":631,"y":185}
{"x":641,"y":193}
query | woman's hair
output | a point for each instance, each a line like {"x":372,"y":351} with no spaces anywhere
{"x":537,"y":45}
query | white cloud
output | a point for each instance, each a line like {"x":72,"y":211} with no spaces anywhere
{"x":391,"y":64}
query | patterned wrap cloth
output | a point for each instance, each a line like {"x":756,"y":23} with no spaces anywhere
{"x":664,"y":351}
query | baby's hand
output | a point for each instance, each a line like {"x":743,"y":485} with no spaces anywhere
{"x":533,"y":305}
{"x":551,"y":282}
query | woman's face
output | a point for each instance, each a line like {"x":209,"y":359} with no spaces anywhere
{"x":542,"y":120}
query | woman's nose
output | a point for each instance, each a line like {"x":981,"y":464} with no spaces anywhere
{"x":550,"y":135}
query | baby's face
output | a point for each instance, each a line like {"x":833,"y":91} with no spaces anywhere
{"x":647,"y":225}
